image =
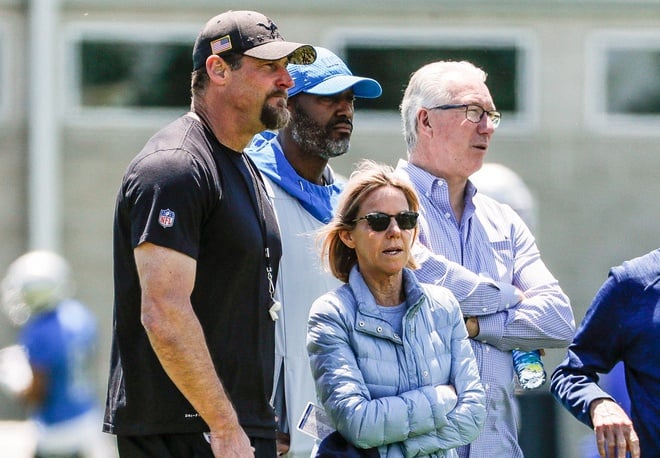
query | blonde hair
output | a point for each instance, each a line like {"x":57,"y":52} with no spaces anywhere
{"x":367,"y":177}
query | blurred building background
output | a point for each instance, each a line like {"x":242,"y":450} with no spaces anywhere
{"x":84,"y":83}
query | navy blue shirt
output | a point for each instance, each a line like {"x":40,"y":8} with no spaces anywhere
{"x":622,"y":324}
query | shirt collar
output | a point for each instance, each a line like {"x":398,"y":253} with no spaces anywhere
{"x":427,"y":184}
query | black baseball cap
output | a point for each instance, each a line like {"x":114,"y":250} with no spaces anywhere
{"x":249,"y":33}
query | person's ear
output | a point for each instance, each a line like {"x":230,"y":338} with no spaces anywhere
{"x":423,"y":118}
{"x":347,"y":237}
{"x":216,"y":68}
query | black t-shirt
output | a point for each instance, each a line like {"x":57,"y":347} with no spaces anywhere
{"x":188,"y":192}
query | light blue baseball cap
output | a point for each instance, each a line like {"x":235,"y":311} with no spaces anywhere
{"x":329,"y":75}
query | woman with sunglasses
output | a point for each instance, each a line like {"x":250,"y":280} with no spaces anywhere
{"x":390,"y":357}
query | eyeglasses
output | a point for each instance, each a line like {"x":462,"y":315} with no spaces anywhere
{"x":473,"y":113}
{"x":381,"y":221}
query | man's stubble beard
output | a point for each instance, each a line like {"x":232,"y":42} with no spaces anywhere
{"x":316,"y":139}
{"x":274,"y":118}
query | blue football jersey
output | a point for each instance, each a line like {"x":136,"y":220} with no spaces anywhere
{"x":62,"y":344}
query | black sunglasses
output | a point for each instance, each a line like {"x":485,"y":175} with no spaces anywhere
{"x":380,"y":221}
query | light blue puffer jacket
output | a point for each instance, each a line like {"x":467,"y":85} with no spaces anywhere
{"x":378,"y":387}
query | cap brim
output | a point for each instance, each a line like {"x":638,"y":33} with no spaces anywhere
{"x":297,"y":53}
{"x":366,"y":88}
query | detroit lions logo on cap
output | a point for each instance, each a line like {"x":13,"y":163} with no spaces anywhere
{"x":271,"y":27}
{"x":166,"y":218}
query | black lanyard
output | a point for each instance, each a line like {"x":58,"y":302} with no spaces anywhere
{"x":260,"y":191}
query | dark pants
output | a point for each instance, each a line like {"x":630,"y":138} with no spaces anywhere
{"x":182,"y":446}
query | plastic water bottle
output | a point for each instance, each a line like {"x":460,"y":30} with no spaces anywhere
{"x":529,"y":369}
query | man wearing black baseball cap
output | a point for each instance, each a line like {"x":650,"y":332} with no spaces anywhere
{"x":196,"y":255}
{"x":248,"y":33}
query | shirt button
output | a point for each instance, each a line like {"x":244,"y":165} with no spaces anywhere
{"x":484,"y":341}
{"x":447,"y":215}
{"x":361,"y":324}
{"x":486,"y":387}
{"x":426,"y":373}
{"x":396,"y":336}
{"x":484,"y":309}
{"x":379,"y":329}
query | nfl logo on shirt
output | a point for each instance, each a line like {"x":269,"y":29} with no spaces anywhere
{"x":166,"y":218}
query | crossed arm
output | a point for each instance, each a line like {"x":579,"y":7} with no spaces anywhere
{"x":421,"y":420}
{"x":536,"y":315}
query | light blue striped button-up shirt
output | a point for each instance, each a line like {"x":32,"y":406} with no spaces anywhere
{"x":493,"y":241}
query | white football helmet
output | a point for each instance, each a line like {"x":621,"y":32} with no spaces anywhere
{"x":504,"y":185}
{"x":34,"y":282}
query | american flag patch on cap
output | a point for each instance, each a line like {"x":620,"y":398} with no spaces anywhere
{"x":220,"y":45}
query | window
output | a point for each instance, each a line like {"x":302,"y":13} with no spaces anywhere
{"x":632,"y":83}
{"x":391,"y":56}
{"x":134,"y":74}
{"x":131,"y":68}
{"x":623,"y":88}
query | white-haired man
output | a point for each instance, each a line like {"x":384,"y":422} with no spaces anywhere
{"x":449,"y":118}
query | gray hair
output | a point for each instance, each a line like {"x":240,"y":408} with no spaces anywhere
{"x":430,"y":86}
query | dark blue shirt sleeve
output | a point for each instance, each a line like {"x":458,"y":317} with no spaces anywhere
{"x":597,"y":347}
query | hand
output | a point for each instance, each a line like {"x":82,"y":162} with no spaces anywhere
{"x":472,"y":325}
{"x":614,"y":430}
{"x":231,"y":443}
{"x":283,"y":441}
